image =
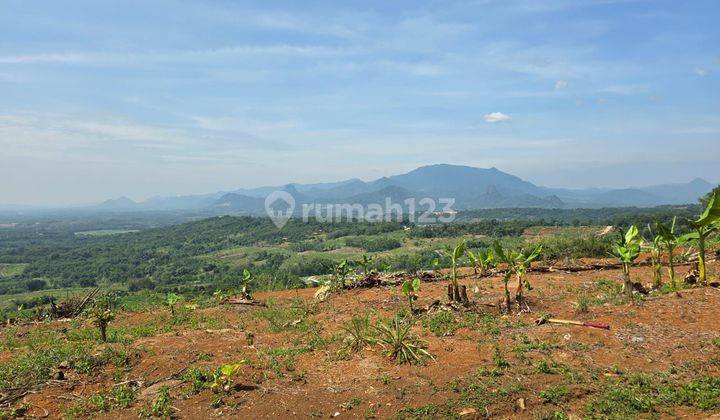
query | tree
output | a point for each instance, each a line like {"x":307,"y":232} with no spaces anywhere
{"x":704,"y":226}
{"x":627,"y":249}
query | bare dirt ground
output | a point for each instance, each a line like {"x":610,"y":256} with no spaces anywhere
{"x":492,"y":365}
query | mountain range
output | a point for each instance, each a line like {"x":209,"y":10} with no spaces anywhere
{"x":472,"y":188}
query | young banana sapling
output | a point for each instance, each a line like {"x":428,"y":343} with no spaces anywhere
{"x":454,"y":293}
{"x":627,"y":249}
{"x":410,"y":289}
{"x":518,"y":264}
{"x":708,"y":223}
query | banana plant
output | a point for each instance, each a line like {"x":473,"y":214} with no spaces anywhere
{"x":340,"y":272}
{"x":455,"y":257}
{"x":410,"y":289}
{"x":654,"y":247}
{"x":246,"y":280}
{"x":483,"y":261}
{"x":171,"y":300}
{"x":518,"y":263}
{"x":669,"y":240}
{"x":704,"y":226}
{"x":365,"y":263}
{"x":627,"y":249}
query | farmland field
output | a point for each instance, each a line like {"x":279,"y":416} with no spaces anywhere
{"x":172,"y":341}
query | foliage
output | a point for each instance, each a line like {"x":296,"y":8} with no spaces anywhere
{"x":704,"y":226}
{"x":400,"y":343}
{"x":483,"y":260}
{"x":359,"y":333}
{"x":627,"y":249}
{"x":410,"y":289}
{"x":455,"y":256}
{"x":171,"y":300}
{"x":103,"y":312}
{"x":518,"y":263}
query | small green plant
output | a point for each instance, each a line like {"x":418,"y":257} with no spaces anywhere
{"x":340,"y":272}
{"x":223,"y":381}
{"x":499,"y":359}
{"x":554,"y":394}
{"x":518,"y":263}
{"x":455,"y":257}
{"x":365,"y":263}
{"x":246,"y":280}
{"x":410,"y":290}
{"x":171,"y":300}
{"x":583,"y":303}
{"x":670,"y":240}
{"x":482,"y":261}
{"x":162,"y":404}
{"x":400,"y":344}
{"x":627,"y":249}
{"x":654,"y":247}
{"x":359,"y":333}
{"x":103,"y":313}
{"x":704,"y":226}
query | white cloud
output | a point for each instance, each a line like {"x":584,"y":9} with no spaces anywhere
{"x":561,"y":84}
{"x":496,"y":117}
{"x":701,"y":72}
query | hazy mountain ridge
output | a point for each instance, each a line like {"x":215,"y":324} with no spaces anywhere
{"x":472,"y":188}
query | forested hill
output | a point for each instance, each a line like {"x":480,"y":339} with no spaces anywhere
{"x":207,"y":254}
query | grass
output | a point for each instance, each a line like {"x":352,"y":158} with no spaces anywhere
{"x":118,"y":397}
{"x":653,"y":394}
{"x":446,"y":323}
{"x":283,"y":317}
{"x":37,"y":365}
{"x":555,"y":394}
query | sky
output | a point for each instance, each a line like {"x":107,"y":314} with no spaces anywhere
{"x":100,"y":99}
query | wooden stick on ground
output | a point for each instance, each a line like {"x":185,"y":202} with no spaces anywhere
{"x":591,"y":324}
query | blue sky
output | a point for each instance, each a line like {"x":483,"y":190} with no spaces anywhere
{"x":100,"y":99}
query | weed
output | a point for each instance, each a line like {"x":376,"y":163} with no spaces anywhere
{"x":555,"y":394}
{"x":498,"y":358}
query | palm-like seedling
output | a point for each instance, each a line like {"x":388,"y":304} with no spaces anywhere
{"x":359,"y":333}
{"x":704,"y":226}
{"x":627,"y":249}
{"x":399,"y":342}
{"x":518,"y":263}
